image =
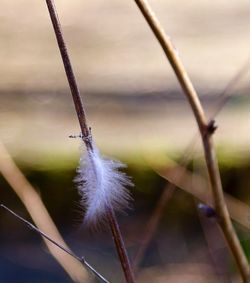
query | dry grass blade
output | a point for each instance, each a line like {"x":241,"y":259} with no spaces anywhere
{"x":206,"y":135}
{"x":38,"y":212}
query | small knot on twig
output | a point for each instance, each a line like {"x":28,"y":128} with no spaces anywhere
{"x":83,"y":259}
{"x":75,"y":136}
{"x":87,"y":138}
{"x":206,"y":210}
{"x":211,"y":127}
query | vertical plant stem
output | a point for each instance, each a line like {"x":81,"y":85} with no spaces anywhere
{"x":120,"y":247}
{"x":69,"y":73}
{"x":209,"y":151}
{"x":119,"y":243}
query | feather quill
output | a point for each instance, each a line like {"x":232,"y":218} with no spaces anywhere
{"x":101,"y":184}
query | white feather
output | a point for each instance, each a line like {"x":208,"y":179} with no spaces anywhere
{"x":101,"y":185}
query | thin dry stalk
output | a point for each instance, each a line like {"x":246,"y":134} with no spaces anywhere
{"x":156,"y":216}
{"x":169,"y":190}
{"x":212,"y":235}
{"x":38,"y":212}
{"x":64,"y":249}
{"x":206,"y":135}
{"x":118,"y":240}
{"x":215,"y":241}
{"x":121,"y":250}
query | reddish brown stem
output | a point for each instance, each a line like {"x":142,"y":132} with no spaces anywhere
{"x":69,"y":73}
{"x":119,"y":243}
{"x":120,"y":247}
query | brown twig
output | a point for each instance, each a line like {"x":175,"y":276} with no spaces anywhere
{"x":121,"y":250}
{"x":209,"y":151}
{"x":211,"y":231}
{"x":169,"y":190}
{"x":44,"y":235}
{"x":87,"y":136}
{"x":214,"y":240}
{"x":69,"y":73}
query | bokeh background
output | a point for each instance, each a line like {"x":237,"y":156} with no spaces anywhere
{"x":138,"y":114}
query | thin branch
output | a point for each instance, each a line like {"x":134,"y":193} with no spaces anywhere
{"x":171,"y":53}
{"x":41,"y":233}
{"x":213,"y":236}
{"x":169,"y":190}
{"x":209,"y":151}
{"x":120,"y":246}
{"x":121,"y":250}
{"x":212,"y":232}
{"x":69,"y":73}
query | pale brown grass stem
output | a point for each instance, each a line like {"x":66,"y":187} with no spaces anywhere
{"x":38,"y":212}
{"x":169,"y":190}
{"x":203,"y":124}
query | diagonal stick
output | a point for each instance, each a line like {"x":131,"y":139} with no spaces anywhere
{"x":39,"y":214}
{"x":41,"y":233}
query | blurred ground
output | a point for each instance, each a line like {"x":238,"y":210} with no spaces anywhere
{"x":36,"y":127}
{"x":114,"y":50}
{"x":132,"y":97}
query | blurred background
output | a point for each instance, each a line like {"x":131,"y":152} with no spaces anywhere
{"x":139,"y":115}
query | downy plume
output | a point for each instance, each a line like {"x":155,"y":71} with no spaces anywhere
{"x":101,"y":185}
